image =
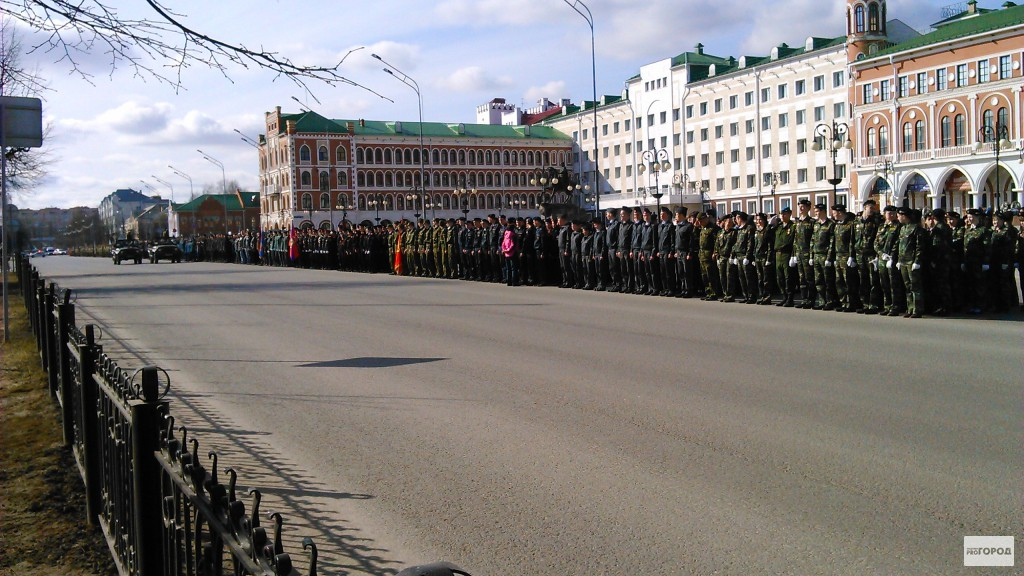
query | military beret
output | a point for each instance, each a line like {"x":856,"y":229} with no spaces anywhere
{"x":952,"y":214}
{"x":820,"y":206}
{"x":903,"y":211}
{"x":681,"y":210}
{"x":700,"y":215}
{"x":839,"y":207}
{"x":870,"y":202}
{"x":1007,"y":216}
{"x":916,"y":214}
{"x":974,"y":212}
{"x":491,"y":216}
{"x":889,"y":208}
{"x":597,"y":221}
{"x":647,"y":211}
{"x":666,"y":210}
{"x":742,"y":215}
{"x":938,"y":213}
{"x":787,"y":210}
{"x":625,"y":209}
{"x":804,"y":202}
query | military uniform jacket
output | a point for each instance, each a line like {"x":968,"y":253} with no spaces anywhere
{"x":802,"y":235}
{"x":912,"y":245}
{"x":576,"y":241}
{"x":1004,"y":244}
{"x":744,"y":246}
{"x":564,"y":239}
{"x":600,"y":243}
{"x":626,"y":230}
{"x":587,"y":245}
{"x":724,"y":241}
{"x":611,"y":234}
{"x":707,"y":240}
{"x":940,"y":243}
{"x":821,"y":239}
{"x":783,"y":236}
{"x":977,"y":244}
{"x":865,"y":232}
{"x":956,"y":246}
{"x":666,"y":238}
{"x":683,"y":238}
{"x":648,"y":237}
{"x":763,"y":243}
{"x":638,"y":239}
{"x":844,"y":239}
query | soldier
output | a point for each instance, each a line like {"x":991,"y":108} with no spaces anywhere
{"x":939,"y":244}
{"x":539,"y":262}
{"x":893,"y":298}
{"x":576,"y":256}
{"x":743,"y":258}
{"x":624,"y":250}
{"x":785,"y":262}
{"x":684,"y":261}
{"x":977,"y":253}
{"x":909,"y":259}
{"x":867,"y":259}
{"x":494,"y":236}
{"x":804,"y":230}
{"x":706,"y":257}
{"x":1003,"y":293}
{"x":823,"y":256}
{"x":565,"y":252}
{"x":764,"y":235}
{"x":845,"y":258}
{"x":647,"y":249}
{"x":956,"y":260}
{"x":612,"y":243}
{"x":601,"y":265}
{"x":665,"y":253}
{"x":727,"y":273}
{"x":588,"y":256}
{"x":639,"y":264}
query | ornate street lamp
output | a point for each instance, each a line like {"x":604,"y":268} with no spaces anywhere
{"x":657,"y":161}
{"x":463,"y":193}
{"x":835,"y":138}
{"x":999,"y":135}
{"x":882,"y":170}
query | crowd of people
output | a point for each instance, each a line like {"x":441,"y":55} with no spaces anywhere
{"x":895,"y":262}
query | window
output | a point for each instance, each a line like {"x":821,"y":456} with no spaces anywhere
{"x":766,"y":94}
{"x":801,"y":146}
{"x":689,"y":137}
{"x":908,"y":136}
{"x":858,"y":19}
{"x":618,"y":172}
{"x":718,"y":132}
{"x":629,"y":147}
{"x":749,"y":126}
{"x":304,"y":154}
{"x":690,"y":162}
{"x":766,"y":123}
{"x":675,"y":114}
{"x":783,"y":120}
{"x":751,"y":182}
{"x":750,"y":152}
{"x":618,"y":150}
{"x":766,"y":151}
{"x":604,"y":152}
{"x":801,"y":175}
{"x":782,"y":91}
{"x":734,"y":155}
{"x":689,"y":111}
{"x":719,"y":157}
{"x":664,"y":141}
{"x":663,"y":117}
{"x":1003,"y":120}
{"x":704,"y":159}
{"x":1005,"y":67}
{"x":837,"y":79}
{"x":325,"y":201}
{"x":959,"y":130}
{"x":819,"y":113}
{"x":919,"y":135}
{"x":983,"y":71}
{"x":784,"y":177}
{"x":639,"y":122}
{"x":703,"y":108}
{"x":306,"y":181}
{"x":322,"y":155}
{"x":783,"y":148}
{"x":733,"y":102}
{"x":748,"y":98}
{"x":625,"y":124}
{"x":819,"y":83}
{"x":307,"y":199}
{"x":718,"y":105}
{"x":941,"y":82}
{"x":839,"y":109}
{"x":987,"y":118}
{"x":734,"y":129}
{"x":883,"y":140}
{"x":604,"y":130}
{"x":868,"y":94}
{"x":872,"y":141}
{"x":902,"y":86}
{"x":703,"y":134}
{"x":884,"y":89}
{"x":922,"y":82}
{"x":819,"y":173}
{"x":800,"y":87}
{"x":946,"y":129}
{"x":650,"y":120}
{"x":735,"y":181}
{"x":675,"y":139}
{"x":961,"y":75}
{"x":801,"y":117}
{"x":785,"y":203}
{"x":650,"y":143}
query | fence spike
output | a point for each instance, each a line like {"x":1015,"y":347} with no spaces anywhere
{"x":307,"y":542}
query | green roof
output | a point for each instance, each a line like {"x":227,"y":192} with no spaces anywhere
{"x":785,"y":52}
{"x":974,"y":25}
{"x":250,"y":200}
{"x":313,"y":122}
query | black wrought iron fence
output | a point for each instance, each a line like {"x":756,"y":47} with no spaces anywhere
{"x":162,"y":506}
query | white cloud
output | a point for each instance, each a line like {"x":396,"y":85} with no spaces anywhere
{"x":553,"y":90}
{"x":473,"y":79}
{"x":501,"y":12}
{"x":135,"y":118}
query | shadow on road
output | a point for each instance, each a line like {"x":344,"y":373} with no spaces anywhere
{"x":369,"y":362}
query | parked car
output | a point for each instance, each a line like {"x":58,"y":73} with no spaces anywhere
{"x":127,"y":250}
{"x":57,"y":251}
{"x":166,"y":250}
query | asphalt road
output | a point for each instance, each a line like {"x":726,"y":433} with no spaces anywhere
{"x":545,"y":431}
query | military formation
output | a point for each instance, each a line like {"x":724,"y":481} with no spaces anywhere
{"x":895,"y":262}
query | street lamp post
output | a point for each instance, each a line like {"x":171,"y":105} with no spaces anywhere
{"x":999,"y":135}
{"x":882,"y":170}
{"x":191,"y":190}
{"x":463,"y":193}
{"x":657,"y":161}
{"x":773,"y":179}
{"x":224,"y":185}
{"x":377,"y":202}
{"x":412,"y":199}
{"x":577,"y":5}
{"x":408,"y":81}
{"x":836,"y":138}
{"x":702,"y":189}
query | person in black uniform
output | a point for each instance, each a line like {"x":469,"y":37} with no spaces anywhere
{"x":612,"y":243}
{"x":624,"y":250}
{"x":684,"y":260}
{"x":666,"y":253}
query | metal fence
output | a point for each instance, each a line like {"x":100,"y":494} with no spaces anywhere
{"x":162,"y":511}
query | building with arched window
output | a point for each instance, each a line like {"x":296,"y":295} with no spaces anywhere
{"x":315,"y":171}
{"x":952,"y":96}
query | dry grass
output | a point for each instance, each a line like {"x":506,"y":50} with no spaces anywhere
{"x":42,"y":501}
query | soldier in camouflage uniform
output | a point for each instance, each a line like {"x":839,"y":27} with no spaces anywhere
{"x":727,"y":272}
{"x":867,"y":258}
{"x":1004,"y":249}
{"x":743,"y":258}
{"x":886,"y":239}
{"x":764,"y":236}
{"x":802,"y":233}
{"x":844,"y":248}
{"x":785,"y":260}
{"x":977,"y":253}
{"x":938,"y":292}
{"x":823,"y":256}
{"x":956,"y":260}
{"x":910,"y":259}
{"x":705,"y":256}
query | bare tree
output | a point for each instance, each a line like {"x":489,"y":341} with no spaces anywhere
{"x":73,"y":28}
{"x":25,"y":167}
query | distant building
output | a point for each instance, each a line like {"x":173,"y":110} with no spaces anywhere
{"x":206,"y":214}
{"x":53,"y":226}
{"x":119,"y":206}
{"x":150,"y":224}
{"x":497,"y":112}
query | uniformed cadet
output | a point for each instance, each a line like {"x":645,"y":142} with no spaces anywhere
{"x":977,"y":253}
{"x":706,"y":246}
{"x":648,"y":249}
{"x":684,"y":258}
{"x":867,"y":258}
{"x":565,"y":252}
{"x":539,"y":257}
{"x":1004,"y":248}
{"x":727,"y":274}
{"x":636,"y":250}
{"x":823,"y":256}
{"x":764,"y":235}
{"x":665,"y":255}
{"x":602,"y":270}
{"x":910,"y":258}
{"x":743,"y":258}
{"x":624,"y":250}
{"x":588,"y":256}
{"x":802,"y":234}
{"x":576,"y":256}
{"x":938,"y":292}
{"x":845,"y":258}
{"x":886,"y":243}
{"x":956,"y":260}
{"x":786,"y":275}
{"x":612,"y":244}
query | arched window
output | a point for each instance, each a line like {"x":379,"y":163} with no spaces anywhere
{"x":325,"y":180}
{"x":408,"y":156}
{"x":415,"y":156}
{"x":307,"y":201}
{"x":472,"y":202}
{"x":490,"y":180}
{"x":361,"y":203}
{"x":883,"y":140}
{"x":873,"y":17}
{"x":919,"y":141}
{"x":547,"y":156}
{"x":908,"y":137}
{"x":341,"y":155}
{"x":342,"y":199}
{"x":490,"y":202}
{"x":988,"y":121}
{"x":387,"y":156}
{"x":1003,"y":120}
{"x":446,"y":202}
{"x":389,"y":181}
{"x":872,"y":142}
{"x":322,"y":155}
{"x":946,"y":130}
{"x":959,"y":130}
{"x":444,"y":180}
{"x":378,"y":179}
{"x":378,"y":156}
{"x":858,"y":19}
{"x":462,"y":157}
{"x":488,"y":158}
{"x":342,"y":179}
{"x":522,"y":158}
{"x":400,"y":203}
{"x":359,"y":156}
{"x":306,"y":180}
{"x":325,"y":201}
{"x":437,"y":157}
{"x":529,"y":158}
{"x":505,"y":158}
{"x":507,"y":179}
{"x":444,"y":156}
{"x":361,"y":180}
{"x":409,"y":178}
{"x":304,"y":154}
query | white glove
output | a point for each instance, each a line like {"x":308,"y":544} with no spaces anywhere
{"x":874,"y":264}
{"x":747,"y":263}
{"x":827,"y":263}
{"x":898,"y":265}
{"x":733,"y":261}
{"x":792,"y":262}
{"x":984,"y":267}
{"x":916,"y":266}
{"x":809,"y":262}
{"x":888,"y":264}
{"x":849,"y":262}
{"x":1006,"y":266}
{"x":963,"y":267}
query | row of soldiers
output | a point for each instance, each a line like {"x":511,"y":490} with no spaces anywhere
{"x":894,"y":262}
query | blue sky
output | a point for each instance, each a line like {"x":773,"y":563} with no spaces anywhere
{"x":121,"y":129}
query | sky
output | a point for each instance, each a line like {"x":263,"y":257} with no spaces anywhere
{"x":117,"y":129}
